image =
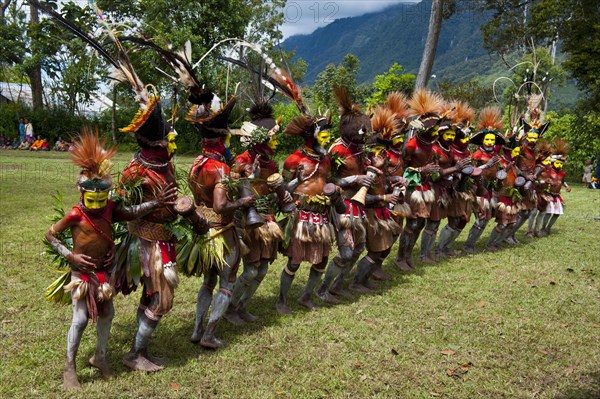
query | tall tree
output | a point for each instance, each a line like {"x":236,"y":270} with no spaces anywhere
{"x":435,"y":26}
{"x":34,"y":69}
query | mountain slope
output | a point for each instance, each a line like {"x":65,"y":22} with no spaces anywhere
{"x":396,"y":34}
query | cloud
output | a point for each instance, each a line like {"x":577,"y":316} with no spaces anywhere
{"x":305,"y":16}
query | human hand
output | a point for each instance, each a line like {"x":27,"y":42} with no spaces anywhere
{"x":81,"y":261}
{"x":168,"y":195}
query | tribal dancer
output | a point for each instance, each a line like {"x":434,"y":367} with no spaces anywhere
{"x":442,"y":185}
{"x":464,"y":186}
{"x":259,"y":136}
{"x":509,"y":197}
{"x":382,"y":229}
{"x":398,"y":104}
{"x":419,"y":169}
{"x":148,"y":236}
{"x":93,"y":249}
{"x":209,"y":178}
{"x":486,"y":157}
{"x":349,"y":174}
{"x":308,"y":230}
{"x":555,"y":180}
{"x":526,"y":164}
{"x":543,"y":166}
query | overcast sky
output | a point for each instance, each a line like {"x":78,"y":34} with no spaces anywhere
{"x":304,"y":16}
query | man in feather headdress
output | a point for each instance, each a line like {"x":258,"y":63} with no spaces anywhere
{"x":420,"y":167}
{"x":442,"y":185}
{"x":348,"y":171}
{"x":308,"y":233}
{"x":256,"y":164}
{"x":486,"y":157}
{"x":209,"y":179}
{"x":94,"y":249}
{"x":151,"y":244}
{"x":509,"y":197}
{"x":464,"y":186}
{"x":527,"y":166}
{"x":381,"y":227}
{"x":554,"y":182}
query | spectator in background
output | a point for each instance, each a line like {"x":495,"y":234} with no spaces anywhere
{"x":61,"y":145}
{"x":21,"y":129}
{"x":28,"y":130}
{"x":587,"y":172}
{"x":24,"y":145}
{"x":37,"y":145}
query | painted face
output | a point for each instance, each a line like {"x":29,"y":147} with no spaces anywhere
{"x":323,"y":138}
{"x":95,"y":200}
{"x":547,"y":161}
{"x":397,"y":140}
{"x":273,"y":143}
{"x":449,"y":135}
{"x":515,"y":152}
{"x":376,"y":149}
{"x":489,"y":140}
{"x":464,"y":140}
{"x":435,"y":132}
{"x":532,"y":138}
{"x":171,"y":146}
{"x":558,"y":164}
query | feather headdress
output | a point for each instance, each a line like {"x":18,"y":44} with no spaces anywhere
{"x":148,"y":125}
{"x":384,"y":125}
{"x":397,"y":102}
{"x":276,"y":76}
{"x":560,"y":150}
{"x":89,"y":154}
{"x":425,"y":107}
{"x":463,"y":117}
{"x":490,"y":122}
{"x":301,"y":125}
{"x":354,"y":124}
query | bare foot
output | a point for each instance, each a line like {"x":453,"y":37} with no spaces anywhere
{"x":247,"y":316}
{"x":159,"y":361}
{"x":234,"y":318}
{"x":307,"y":303}
{"x":136,"y":361}
{"x":356,"y":287}
{"x":102,"y":365}
{"x":340,"y":292}
{"x":403,"y":265}
{"x":380,"y":274}
{"x":328,"y":298}
{"x":70,"y":381}
{"x":427,"y":260}
{"x":283,"y":309}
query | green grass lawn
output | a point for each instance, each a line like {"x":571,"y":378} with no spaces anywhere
{"x":520,"y":323}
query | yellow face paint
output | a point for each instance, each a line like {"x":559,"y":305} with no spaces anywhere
{"x":547,"y":161}
{"x":273,"y":143}
{"x":449,"y":135}
{"x":435,"y":132}
{"x":558,"y":164}
{"x":464,"y":140}
{"x":95,"y":200}
{"x":228,"y":140}
{"x":397,"y":140}
{"x":171,"y":146}
{"x":323,"y":138}
{"x":515,"y":152}
{"x":376,"y":149}
{"x":532,"y":137}
{"x":489,"y":140}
